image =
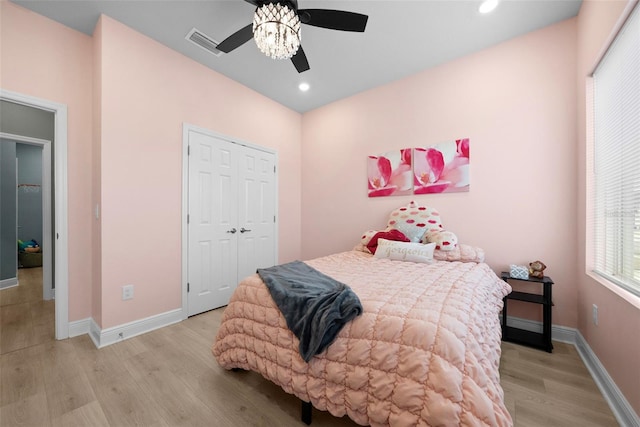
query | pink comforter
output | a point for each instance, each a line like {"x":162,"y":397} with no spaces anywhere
{"x":425,"y":352}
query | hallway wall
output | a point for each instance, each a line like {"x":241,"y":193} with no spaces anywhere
{"x":29,"y":192}
{"x":8,"y":258}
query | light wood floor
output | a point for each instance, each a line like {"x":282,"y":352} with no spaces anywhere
{"x":169,"y":378}
{"x":25,"y":319}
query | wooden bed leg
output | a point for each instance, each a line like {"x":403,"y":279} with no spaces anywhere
{"x":305,"y":414}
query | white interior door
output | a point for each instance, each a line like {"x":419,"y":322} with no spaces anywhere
{"x":213,"y":212}
{"x":231,"y":227}
{"x":256,"y":211}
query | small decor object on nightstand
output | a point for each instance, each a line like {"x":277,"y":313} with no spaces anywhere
{"x":519,"y":272}
{"x":536,"y":269}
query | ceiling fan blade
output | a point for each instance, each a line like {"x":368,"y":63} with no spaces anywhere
{"x":236,"y":39}
{"x":334,"y":19}
{"x":300,"y":61}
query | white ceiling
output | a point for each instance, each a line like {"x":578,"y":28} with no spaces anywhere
{"x":402,"y":38}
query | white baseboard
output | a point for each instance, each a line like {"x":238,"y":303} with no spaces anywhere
{"x":94,"y":332}
{"x":622,"y":410}
{"x":619,"y":405}
{"x":104,"y":337}
{"x":563,"y":334}
{"x":558,"y":333}
{"x":8,"y":283}
{"x":526,"y":324}
{"x":79,"y":327}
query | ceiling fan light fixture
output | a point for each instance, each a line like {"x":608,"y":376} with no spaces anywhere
{"x":276,"y":30}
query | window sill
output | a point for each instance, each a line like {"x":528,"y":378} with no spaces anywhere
{"x":622,"y":293}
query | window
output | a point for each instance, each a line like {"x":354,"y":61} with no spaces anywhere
{"x":616,"y":159}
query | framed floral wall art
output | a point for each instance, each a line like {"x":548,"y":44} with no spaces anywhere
{"x":441,"y":168}
{"x":390,"y":174}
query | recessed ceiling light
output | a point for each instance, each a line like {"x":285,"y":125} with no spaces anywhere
{"x":304,"y":87}
{"x":487,"y":6}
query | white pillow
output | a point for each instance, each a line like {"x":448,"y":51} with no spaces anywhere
{"x":405,"y":251}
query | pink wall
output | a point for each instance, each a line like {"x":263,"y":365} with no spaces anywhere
{"x":32,"y":64}
{"x":516,"y":102}
{"x":615,"y":338}
{"x":148,"y":92}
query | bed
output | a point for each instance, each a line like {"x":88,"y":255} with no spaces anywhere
{"x":424,"y":352}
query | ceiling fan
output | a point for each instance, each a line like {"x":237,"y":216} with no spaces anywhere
{"x":276,"y":28}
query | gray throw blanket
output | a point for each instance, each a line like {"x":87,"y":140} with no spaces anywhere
{"x":315,"y":306}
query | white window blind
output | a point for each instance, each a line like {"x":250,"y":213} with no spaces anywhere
{"x":617,"y":159}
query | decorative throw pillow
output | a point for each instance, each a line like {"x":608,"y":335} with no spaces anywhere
{"x":405,"y":251}
{"x":394,"y":235}
{"x":463,"y":253}
{"x":367,"y":236}
{"x":444,"y":240}
{"x":414,"y":221}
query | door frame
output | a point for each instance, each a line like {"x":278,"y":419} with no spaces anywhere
{"x":45,"y":170}
{"x":186,"y":128}
{"x":61,"y":259}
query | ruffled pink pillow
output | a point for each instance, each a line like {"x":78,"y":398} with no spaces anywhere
{"x":388,"y":235}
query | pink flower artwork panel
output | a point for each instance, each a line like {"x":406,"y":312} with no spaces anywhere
{"x":390,"y":173}
{"x":441,"y":168}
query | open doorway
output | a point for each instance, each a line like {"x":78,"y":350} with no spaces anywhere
{"x":34,"y":211}
{"x":55,"y":240}
{"x":27,"y":312}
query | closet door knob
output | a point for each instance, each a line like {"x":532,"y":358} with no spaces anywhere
{"x":244,"y":230}
{"x":232,"y":231}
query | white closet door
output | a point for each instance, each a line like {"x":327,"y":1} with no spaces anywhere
{"x":256,"y":211}
{"x":213,"y":226}
{"x":232,"y":201}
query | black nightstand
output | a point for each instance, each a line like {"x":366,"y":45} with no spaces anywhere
{"x":542,"y":340}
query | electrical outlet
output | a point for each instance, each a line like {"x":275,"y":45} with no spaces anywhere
{"x":127,"y":292}
{"x":595,"y":314}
